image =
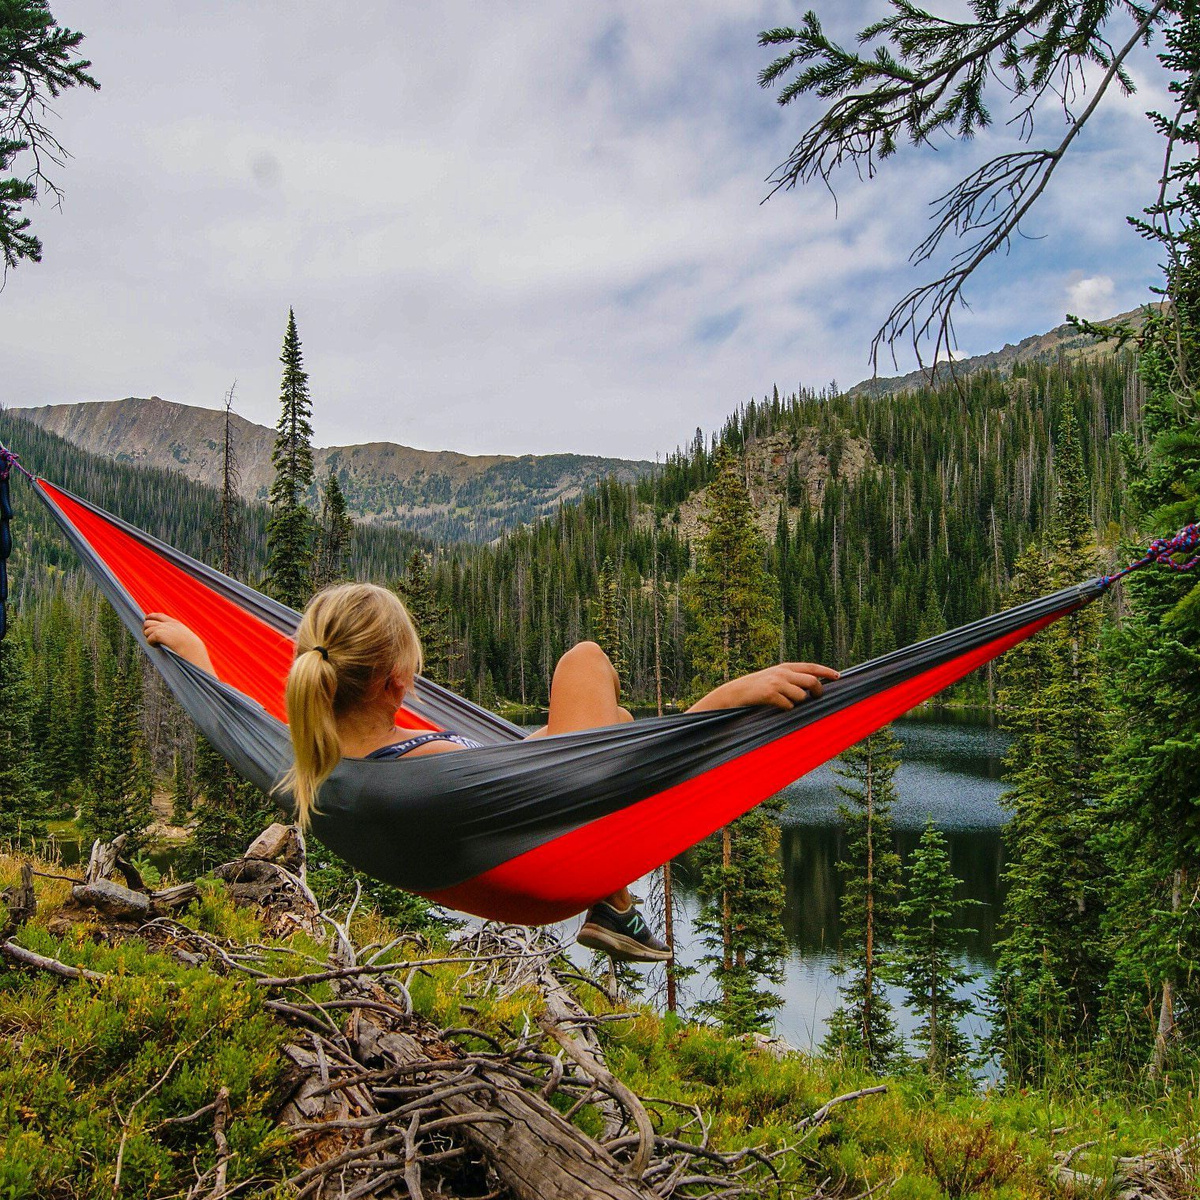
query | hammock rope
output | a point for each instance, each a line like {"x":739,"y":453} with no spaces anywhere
{"x":1162,"y":551}
{"x":523,"y":831}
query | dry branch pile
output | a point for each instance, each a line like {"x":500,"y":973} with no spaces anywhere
{"x":381,"y":1103}
{"x":1160,"y":1175}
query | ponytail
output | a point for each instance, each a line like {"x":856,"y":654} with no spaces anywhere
{"x":351,"y":638}
{"x":311,"y":687}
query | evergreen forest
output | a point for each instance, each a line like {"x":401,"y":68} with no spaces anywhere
{"x":273,"y":1023}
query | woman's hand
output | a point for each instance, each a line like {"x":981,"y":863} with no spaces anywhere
{"x":783,"y":686}
{"x":161,"y":630}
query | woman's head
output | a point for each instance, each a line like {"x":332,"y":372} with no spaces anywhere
{"x":353,"y":639}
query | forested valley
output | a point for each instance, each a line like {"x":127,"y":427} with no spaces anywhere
{"x":887,"y":520}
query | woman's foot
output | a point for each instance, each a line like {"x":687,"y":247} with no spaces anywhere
{"x":621,"y":934}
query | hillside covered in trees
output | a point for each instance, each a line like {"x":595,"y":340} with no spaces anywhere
{"x":889,"y":519}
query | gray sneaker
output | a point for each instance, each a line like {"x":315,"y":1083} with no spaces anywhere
{"x":621,"y":935}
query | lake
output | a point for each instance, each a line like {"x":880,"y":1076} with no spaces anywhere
{"x":950,"y":770}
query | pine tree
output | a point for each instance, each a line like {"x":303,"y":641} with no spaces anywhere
{"x":230,"y":523}
{"x":1050,"y":967}
{"x":335,"y":535}
{"x":931,"y":977}
{"x":740,"y":920}
{"x":863,"y":1027}
{"x":735,"y":610}
{"x":19,"y":797}
{"x":289,"y":533}
{"x":430,"y":617}
{"x":607,"y":617}
{"x":1152,"y":821}
{"x":117,"y":798}
{"x":731,"y":596}
{"x":37,"y":64}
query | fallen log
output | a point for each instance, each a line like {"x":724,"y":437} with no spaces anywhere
{"x":532,"y":954}
{"x":27,"y":958}
{"x":532,"y":1149}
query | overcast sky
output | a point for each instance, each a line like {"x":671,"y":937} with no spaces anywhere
{"x":504,"y":228}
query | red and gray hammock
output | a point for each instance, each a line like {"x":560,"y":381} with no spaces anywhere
{"x":519,"y":831}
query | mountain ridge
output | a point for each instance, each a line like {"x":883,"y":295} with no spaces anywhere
{"x":1063,"y":341}
{"x":442,"y":494}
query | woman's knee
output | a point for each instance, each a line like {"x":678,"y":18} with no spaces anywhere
{"x":587,"y":658}
{"x":585,"y":690}
{"x":585,"y":652}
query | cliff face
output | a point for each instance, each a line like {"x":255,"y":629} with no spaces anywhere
{"x":807,"y":459}
{"x":442,"y":494}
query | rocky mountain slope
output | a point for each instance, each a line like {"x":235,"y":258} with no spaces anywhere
{"x":784,"y":467}
{"x":1062,"y":342}
{"x":442,"y":494}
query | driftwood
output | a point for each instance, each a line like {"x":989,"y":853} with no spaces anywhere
{"x":27,"y":958}
{"x":131,"y":900}
{"x":821,"y":1115}
{"x":524,"y":957}
{"x":1165,"y":1174}
{"x":107,"y":857}
{"x":533,"y":1150}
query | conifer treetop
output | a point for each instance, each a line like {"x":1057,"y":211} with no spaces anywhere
{"x":37,"y":63}
{"x":292,"y":455}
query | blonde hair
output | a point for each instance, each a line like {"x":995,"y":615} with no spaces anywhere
{"x":351,"y":638}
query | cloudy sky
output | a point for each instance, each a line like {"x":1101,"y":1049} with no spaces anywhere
{"x":504,"y":228}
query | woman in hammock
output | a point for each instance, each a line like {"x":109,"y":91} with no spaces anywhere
{"x":357,"y":656}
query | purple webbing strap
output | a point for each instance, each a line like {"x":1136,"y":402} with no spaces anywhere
{"x":8,"y":460}
{"x":1162,"y":551}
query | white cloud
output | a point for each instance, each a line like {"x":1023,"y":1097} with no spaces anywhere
{"x":1092,"y":297}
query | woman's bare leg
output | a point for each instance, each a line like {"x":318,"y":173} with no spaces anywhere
{"x":585,"y":694}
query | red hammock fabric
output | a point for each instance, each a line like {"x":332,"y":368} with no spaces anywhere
{"x":247,"y":653}
{"x":595,"y":860}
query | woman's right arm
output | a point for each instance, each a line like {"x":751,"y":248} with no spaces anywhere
{"x":161,"y":630}
{"x":783,"y":686}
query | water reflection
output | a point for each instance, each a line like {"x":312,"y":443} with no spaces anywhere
{"x":810,"y":857}
{"x":950,"y":770}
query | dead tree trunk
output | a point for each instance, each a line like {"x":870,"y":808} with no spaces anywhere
{"x":533,"y":1151}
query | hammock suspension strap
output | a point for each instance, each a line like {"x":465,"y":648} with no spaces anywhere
{"x":1162,"y":551}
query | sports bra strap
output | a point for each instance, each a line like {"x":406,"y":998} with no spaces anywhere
{"x":398,"y":749}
